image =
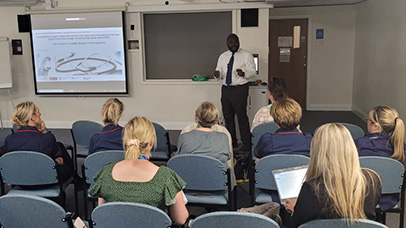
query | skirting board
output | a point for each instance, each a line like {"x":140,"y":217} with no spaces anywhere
{"x":329,"y":107}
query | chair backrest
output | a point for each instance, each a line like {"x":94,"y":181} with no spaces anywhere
{"x":390,"y":171}
{"x":28,"y":168}
{"x":233,"y":219}
{"x":124,"y":214}
{"x":83,"y":130}
{"x":31,"y":211}
{"x":356,"y":131}
{"x":201,"y":173}
{"x":94,"y":162}
{"x":162,"y":138}
{"x":342,"y":223}
{"x":261,"y":129}
{"x":264,"y":167}
{"x":14,"y":129}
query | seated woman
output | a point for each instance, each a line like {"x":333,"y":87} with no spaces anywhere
{"x":204,"y":140}
{"x":138,"y":180}
{"x":33,"y":136}
{"x":287,"y":139}
{"x":111,"y":136}
{"x":386,"y":139}
{"x":276,"y":91}
{"x":335,"y":186}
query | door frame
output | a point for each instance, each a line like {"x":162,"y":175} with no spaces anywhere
{"x":309,"y":47}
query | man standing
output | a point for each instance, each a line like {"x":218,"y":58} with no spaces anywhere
{"x":235,"y":67}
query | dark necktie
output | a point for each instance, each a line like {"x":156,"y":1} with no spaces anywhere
{"x":230,"y":70}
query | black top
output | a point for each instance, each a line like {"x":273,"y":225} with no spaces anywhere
{"x":310,"y":207}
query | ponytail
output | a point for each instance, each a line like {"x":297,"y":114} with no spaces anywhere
{"x":112,"y":110}
{"x":397,"y":139}
{"x":138,"y":134}
{"x":388,"y":119}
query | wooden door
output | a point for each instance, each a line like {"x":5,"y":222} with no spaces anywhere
{"x":287,"y":60}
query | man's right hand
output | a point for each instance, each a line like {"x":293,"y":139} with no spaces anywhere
{"x":217,"y":74}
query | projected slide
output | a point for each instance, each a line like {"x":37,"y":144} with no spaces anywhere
{"x":75,"y":58}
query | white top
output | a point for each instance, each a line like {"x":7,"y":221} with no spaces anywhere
{"x":242,"y":60}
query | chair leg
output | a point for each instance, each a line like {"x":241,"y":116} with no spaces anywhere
{"x":85,"y":203}
{"x":76,"y":197}
{"x":383,"y":217}
{"x":402,"y":217}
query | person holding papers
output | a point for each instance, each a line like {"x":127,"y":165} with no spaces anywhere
{"x":335,"y":185}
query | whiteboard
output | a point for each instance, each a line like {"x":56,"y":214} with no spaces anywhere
{"x":5,"y":64}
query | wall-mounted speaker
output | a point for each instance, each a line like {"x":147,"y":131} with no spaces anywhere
{"x":249,"y":17}
{"x":24,"y":23}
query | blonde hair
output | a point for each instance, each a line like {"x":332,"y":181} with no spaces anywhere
{"x":334,"y":165}
{"x":141,"y":130}
{"x":388,"y":119}
{"x":112,"y":110}
{"x":207,"y":114}
{"x":286,"y":113}
{"x":23,"y":113}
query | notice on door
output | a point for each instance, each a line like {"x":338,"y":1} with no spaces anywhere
{"x":284,"y":55}
{"x":285,"y":41}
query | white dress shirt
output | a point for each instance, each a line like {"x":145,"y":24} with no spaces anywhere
{"x":242,"y":60}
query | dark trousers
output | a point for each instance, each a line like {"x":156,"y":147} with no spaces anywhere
{"x":234,"y":102}
{"x":66,"y":170}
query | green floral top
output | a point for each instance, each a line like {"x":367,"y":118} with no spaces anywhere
{"x":159,"y":192}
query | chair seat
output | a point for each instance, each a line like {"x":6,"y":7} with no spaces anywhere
{"x":82,"y":151}
{"x":204,"y":198}
{"x":262,"y":197}
{"x":48,"y":192}
{"x":43,"y":192}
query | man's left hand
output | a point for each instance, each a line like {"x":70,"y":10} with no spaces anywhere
{"x":240,"y":73}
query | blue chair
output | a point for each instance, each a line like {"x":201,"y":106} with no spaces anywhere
{"x":342,"y":223}
{"x":258,"y":131}
{"x":208,"y":180}
{"x":93,"y":163}
{"x":33,"y":169}
{"x":393,"y":181}
{"x":32,"y":211}
{"x":124,"y":214}
{"x":264,"y":181}
{"x":163,"y":150}
{"x":82,"y":131}
{"x":233,"y":219}
{"x":356,"y":131}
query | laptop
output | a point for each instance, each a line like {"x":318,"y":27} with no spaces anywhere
{"x":289,"y":182}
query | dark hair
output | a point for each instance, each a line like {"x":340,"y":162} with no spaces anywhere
{"x":277,"y":88}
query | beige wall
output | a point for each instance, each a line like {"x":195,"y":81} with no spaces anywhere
{"x":170,"y":103}
{"x":330,"y":65}
{"x":380,"y":56}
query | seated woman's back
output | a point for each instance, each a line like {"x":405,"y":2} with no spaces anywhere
{"x":203,"y":140}
{"x":385,"y":139}
{"x":110,"y":138}
{"x":287,"y":139}
{"x":138,"y":180}
{"x":335,"y":185}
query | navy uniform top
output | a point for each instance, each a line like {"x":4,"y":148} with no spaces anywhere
{"x":28,"y":138}
{"x":378,"y":144}
{"x":283,"y":142}
{"x":111,"y":138}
